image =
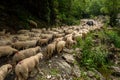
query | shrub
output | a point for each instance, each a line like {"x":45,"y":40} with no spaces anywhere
{"x":114,"y":38}
{"x":92,"y":56}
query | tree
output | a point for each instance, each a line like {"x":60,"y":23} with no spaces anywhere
{"x":111,"y":8}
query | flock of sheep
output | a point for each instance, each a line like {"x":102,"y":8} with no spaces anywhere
{"x":26,"y":51}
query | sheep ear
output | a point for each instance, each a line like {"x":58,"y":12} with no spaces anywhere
{"x":9,"y":68}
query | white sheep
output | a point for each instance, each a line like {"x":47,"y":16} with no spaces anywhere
{"x":22,"y":37}
{"x":7,"y":51}
{"x":50,"y":49}
{"x":24,"y":44}
{"x":25,"y":54}
{"x":5,"y":70}
{"x":23,"y":31}
{"x":60,"y":45}
{"x":24,"y":67}
{"x":5,"y":42}
{"x":36,"y":30}
{"x":59,"y":35}
{"x":77,"y":35}
{"x":47,"y":36}
{"x":42,"y":42}
{"x":59,"y":39}
{"x":70,"y":42}
{"x":69,"y":31}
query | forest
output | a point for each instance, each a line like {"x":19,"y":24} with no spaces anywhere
{"x":59,"y":39}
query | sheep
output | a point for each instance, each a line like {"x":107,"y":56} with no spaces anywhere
{"x":50,"y":49}
{"x":31,"y":34}
{"x":7,"y":51}
{"x":59,"y":39}
{"x":59,"y":35}
{"x":53,"y":32}
{"x":32,"y":23}
{"x":54,"y":29}
{"x":24,"y":44}
{"x":5,"y":42}
{"x":25,"y":54}
{"x":60,"y":45}
{"x":70,"y":42}
{"x":24,"y":67}
{"x":76,"y":36}
{"x":43,"y":30}
{"x":5,"y":70}
{"x":22,"y":31}
{"x":36,"y":30}
{"x":34,"y":38}
{"x":22,"y":37}
{"x":65,"y":37}
{"x":42,"y":42}
{"x":84,"y":33}
{"x":47,"y":36}
{"x":69,"y":31}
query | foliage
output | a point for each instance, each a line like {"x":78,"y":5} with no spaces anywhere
{"x":93,"y":56}
{"x":111,"y":8}
{"x":114,"y":38}
{"x":58,"y":12}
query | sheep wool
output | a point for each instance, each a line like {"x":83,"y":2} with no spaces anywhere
{"x":5,"y":70}
{"x":25,"y":66}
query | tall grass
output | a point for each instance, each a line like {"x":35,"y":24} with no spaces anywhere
{"x":92,"y":56}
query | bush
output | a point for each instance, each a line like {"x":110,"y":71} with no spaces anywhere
{"x":114,"y":38}
{"x":83,"y":44}
{"x":92,"y":56}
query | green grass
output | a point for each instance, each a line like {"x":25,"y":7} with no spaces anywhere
{"x":95,"y":56}
{"x":54,"y":72}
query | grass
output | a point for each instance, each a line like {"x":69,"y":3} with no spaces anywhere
{"x":54,"y":72}
{"x":95,"y":56}
{"x":114,"y":38}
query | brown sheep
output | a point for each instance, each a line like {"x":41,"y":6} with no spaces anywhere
{"x":59,"y":35}
{"x":60,"y":45}
{"x":23,"y":31}
{"x":24,"y":44}
{"x":42,"y":42}
{"x":50,"y":49}
{"x":36,"y":30}
{"x":5,"y":70}
{"x":7,"y":51}
{"x":70,"y":42}
{"x":58,"y":39}
{"x":24,"y":67}
{"x":76,"y":36}
{"x":22,"y":37}
{"x":25,"y":54}
{"x":47,"y":36}
{"x":5,"y":42}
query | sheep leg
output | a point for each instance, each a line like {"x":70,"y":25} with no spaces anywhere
{"x":39,"y":70}
{"x":25,"y":75}
{"x":18,"y":77}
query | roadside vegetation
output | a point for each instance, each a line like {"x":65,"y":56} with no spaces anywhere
{"x":98,"y":50}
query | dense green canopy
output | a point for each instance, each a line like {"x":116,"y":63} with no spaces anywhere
{"x":66,"y":11}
